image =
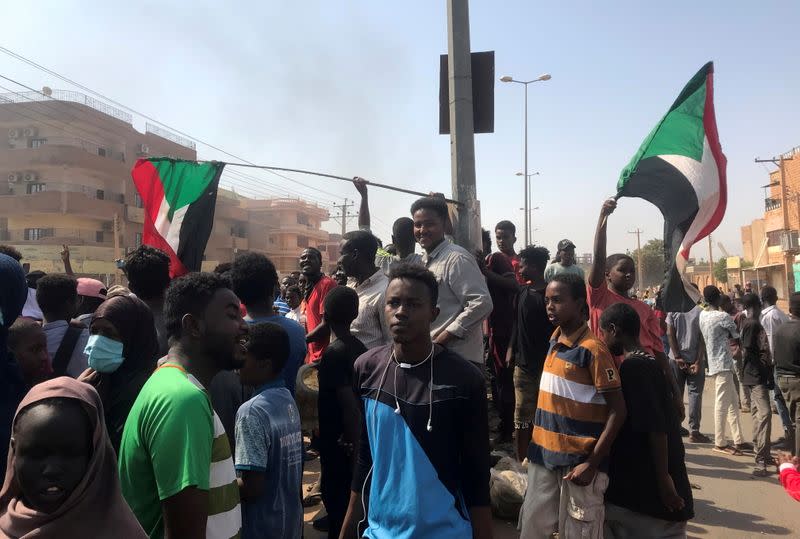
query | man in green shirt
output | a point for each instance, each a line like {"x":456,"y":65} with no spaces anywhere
{"x":175,"y":460}
{"x":564,"y":262}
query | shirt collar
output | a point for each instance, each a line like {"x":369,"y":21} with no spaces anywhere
{"x":278,"y":382}
{"x":767,"y":309}
{"x":570,"y":341}
{"x":438,"y":250}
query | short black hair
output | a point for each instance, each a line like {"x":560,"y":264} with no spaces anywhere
{"x":506,"y":225}
{"x":269,"y":340}
{"x":341,"y":305}
{"x":535,"y":256}
{"x":415,"y":272}
{"x":253,"y":277}
{"x":711,"y":294}
{"x":751,"y":301}
{"x":435,"y":204}
{"x":769,"y":294}
{"x":56,"y":293}
{"x":363,"y":241}
{"x":576,"y":285}
{"x":10,"y":251}
{"x":614,"y":259}
{"x":624,"y":317}
{"x":402,"y":228}
{"x":189,"y":294}
{"x":794,"y":304}
{"x":315,"y":251}
{"x":294,"y":289}
{"x":147,"y":269}
{"x":223,"y":268}
{"x":19,"y":330}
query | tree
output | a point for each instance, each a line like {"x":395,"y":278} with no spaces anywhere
{"x":653,"y":264}
{"x":721,"y":270}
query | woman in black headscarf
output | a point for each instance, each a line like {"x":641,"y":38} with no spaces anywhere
{"x":13,"y":293}
{"x":122,"y":349}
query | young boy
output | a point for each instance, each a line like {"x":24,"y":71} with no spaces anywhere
{"x":648,"y":493}
{"x":338,"y":408}
{"x":269,"y":443}
{"x":294,"y":298}
{"x":28,"y":342}
{"x":580,"y":411}
{"x":530,"y":342}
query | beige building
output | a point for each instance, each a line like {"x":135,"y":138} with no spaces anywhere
{"x":65,"y":178}
{"x":771,"y":242}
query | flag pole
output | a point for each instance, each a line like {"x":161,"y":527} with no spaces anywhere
{"x":324,"y":175}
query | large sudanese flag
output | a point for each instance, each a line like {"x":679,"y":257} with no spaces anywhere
{"x":680,"y":168}
{"x":179,"y":198}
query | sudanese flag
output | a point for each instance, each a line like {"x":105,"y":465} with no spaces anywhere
{"x":680,"y":168}
{"x":179,"y":199}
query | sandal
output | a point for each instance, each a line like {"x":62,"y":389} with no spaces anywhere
{"x":728,"y":450}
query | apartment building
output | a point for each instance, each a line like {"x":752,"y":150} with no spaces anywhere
{"x":66,"y":160}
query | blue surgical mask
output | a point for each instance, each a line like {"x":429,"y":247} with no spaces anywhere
{"x":105,"y":355}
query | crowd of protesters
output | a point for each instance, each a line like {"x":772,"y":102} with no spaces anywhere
{"x":168,"y":408}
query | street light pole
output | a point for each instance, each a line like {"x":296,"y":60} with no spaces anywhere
{"x":507,"y":78}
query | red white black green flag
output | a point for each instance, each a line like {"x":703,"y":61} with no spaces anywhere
{"x":179,"y":199}
{"x":680,"y":168}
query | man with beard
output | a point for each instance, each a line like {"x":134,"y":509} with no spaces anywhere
{"x":175,"y":463}
{"x":317,"y":287}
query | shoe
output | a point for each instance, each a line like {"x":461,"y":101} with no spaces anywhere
{"x":312,"y":500}
{"x":684,"y":432}
{"x":697,"y":438}
{"x":321,"y":524}
{"x":746,"y":446}
{"x":760,"y":472}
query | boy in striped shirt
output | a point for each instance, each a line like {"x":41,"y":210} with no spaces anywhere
{"x":580,"y":411}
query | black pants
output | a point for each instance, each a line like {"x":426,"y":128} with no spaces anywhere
{"x":337,"y":474}
{"x":502,"y":382}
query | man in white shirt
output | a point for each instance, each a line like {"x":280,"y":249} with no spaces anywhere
{"x":771,"y":319}
{"x":717,"y":328}
{"x":357,"y":259}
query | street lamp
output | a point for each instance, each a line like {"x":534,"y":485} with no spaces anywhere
{"x":529,"y":190}
{"x":541,"y":78}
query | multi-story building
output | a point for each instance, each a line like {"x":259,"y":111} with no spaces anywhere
{"x":66,"y":161}
{"x":771,"y":242}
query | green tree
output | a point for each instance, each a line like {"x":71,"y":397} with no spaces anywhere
{"x":653,"y":263}
{"x":721,"y":270}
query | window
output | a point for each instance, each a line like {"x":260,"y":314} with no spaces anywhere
{"x":302,"y":241}
{"x":35,"y":234}
{"x":302,"y":219}
{"x":239,"y":230}
{"x":101,"y":195}
{"x":137,"y":200}
{"x":774,"y":238}
{"x":35,"y":188}
{"x":138,"y":241}
{"x":101,"y":152}
{"x":99,"y":236}
{"x":38,"y":142}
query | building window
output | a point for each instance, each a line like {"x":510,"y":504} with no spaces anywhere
{"x":38,"y":142}
{"x":302,"y":241}
{"x":774,"y":238}
{"x":239,"y":230}
{"x":35,"y":234}
{"x":35,"y":188}
{"x":138,"y":241}
{"x":137,"y":200}
{"x":99,"y":236}
{"x":302,"y":219}
{"x":101,"y":195}
{"x":101,"y":152}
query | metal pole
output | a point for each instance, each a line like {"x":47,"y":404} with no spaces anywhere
{"x":462,"y":133}
{"x":713,"y":278}
{"x":527,"y":188}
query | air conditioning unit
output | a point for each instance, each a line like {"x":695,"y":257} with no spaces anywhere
{"x":143,"y":149}
{"x":30,"y":132}
{"x":14,"y":177}
{"x":789,"y":240}
{"x":14,"y":133}
{"x":31,"y":176}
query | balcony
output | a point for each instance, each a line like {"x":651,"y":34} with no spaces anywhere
{"x":82,"y":156}
{"x":57,"y":236}
{"x":771,"y":204}
{"x":78,"y":204}
{"x":71,"y":96}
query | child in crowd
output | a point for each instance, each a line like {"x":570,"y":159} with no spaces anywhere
{"x":580,"y":411}
{"x":648,"y":493}
{"x":28,"y":343}
{"x":269,"y":443}
{"x":62,"y":472}
{"x":338,"y":408}
{"x":294,"y":298}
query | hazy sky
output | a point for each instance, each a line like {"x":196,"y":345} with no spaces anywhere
{"x":351,"y":88}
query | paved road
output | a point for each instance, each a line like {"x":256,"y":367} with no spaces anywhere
{"x":730,"y":503}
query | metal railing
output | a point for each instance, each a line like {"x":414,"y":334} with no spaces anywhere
{"x":772,"y":204}
{"x":50,"y":235}
{"x":169,"y":135}
{"x":71,"y":96}
{"x":44,"y":186}
{"x":75,"y":142}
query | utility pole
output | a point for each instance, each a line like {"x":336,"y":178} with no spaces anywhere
{"x":788,"y":261}
{"x":638,"y":255}
{"x":344,"y":215}
{"x":117,"y":255}
{"x":713,"y":279}
{"x":462,"y":133}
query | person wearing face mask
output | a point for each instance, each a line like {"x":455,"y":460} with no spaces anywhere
{"x":122,"y":351}
{"x":61,"y":480}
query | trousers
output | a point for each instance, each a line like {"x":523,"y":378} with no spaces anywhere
{"x":696,"y":383}
{"x":762,"y":421}
{"x":726,"y":408}
{"x":790,"y":388}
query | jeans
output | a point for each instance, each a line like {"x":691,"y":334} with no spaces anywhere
{"x":780,"y":405}
{"x":622,"y":523}
{"x":725,"y":407}
{"x":696,"y":383}
{"x":742,"y":391}
{"x":762,"y":421}
{"x":790,"y":388}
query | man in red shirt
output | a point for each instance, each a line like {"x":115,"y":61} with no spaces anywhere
{"x":317,"y":287}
